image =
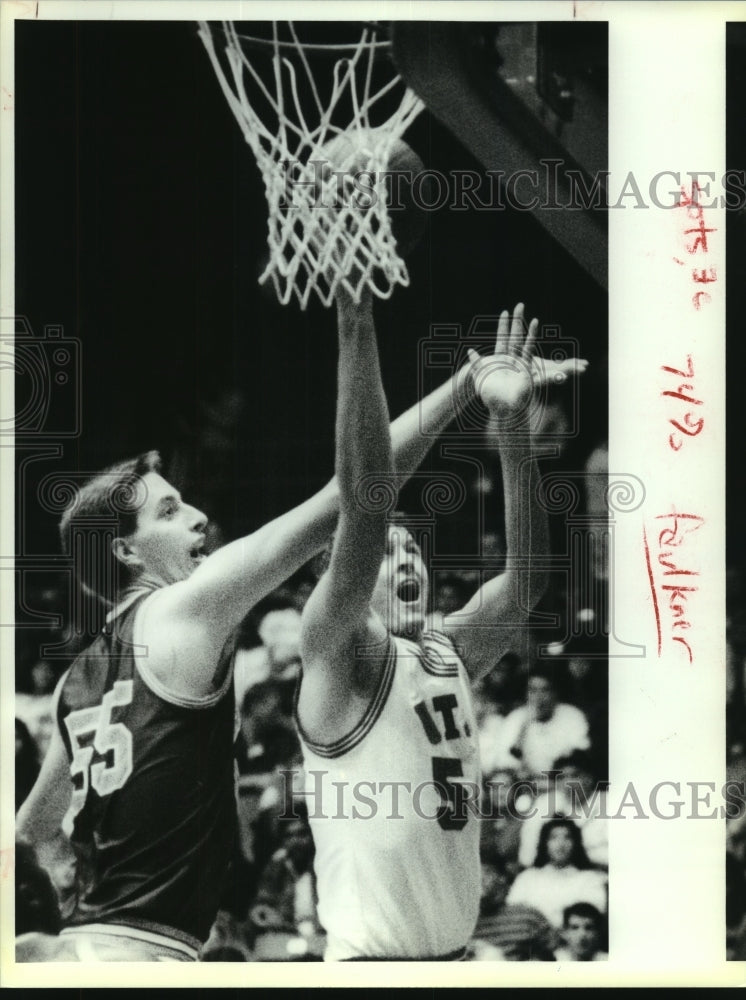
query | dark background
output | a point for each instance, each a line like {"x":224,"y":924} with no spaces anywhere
{"x":141,"y":230}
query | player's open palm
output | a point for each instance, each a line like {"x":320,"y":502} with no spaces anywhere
{"x":504,"y":380}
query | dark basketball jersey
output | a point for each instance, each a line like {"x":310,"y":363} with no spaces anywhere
{"x":153,"y":789}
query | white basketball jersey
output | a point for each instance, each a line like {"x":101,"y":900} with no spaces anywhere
{"x":393,"y":810}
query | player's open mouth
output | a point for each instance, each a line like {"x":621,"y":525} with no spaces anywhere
{"x":408,"y":591}
{"x":197,"y":553}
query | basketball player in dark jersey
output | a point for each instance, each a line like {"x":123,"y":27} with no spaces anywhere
{"x":140,"y":764}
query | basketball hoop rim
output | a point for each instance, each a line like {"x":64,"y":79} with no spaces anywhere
{"x":320,"y":48}
{"x":316,"y":253}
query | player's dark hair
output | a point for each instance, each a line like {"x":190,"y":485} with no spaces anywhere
{"x":578,"y":858}
{"x":587,"y":910}
{"x":104,"y":508}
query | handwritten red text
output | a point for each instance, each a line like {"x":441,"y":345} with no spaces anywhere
{"x":672,"y":580}
{"x":686,"y":422}
{"x":696,"y":236}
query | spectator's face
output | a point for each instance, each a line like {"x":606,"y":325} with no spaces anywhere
{"x":265,"y":707}
{"x":400,"y":595}
{"x":541,"y":698}
{"x":494,"y":890}
{"x":559,"y":846}
{"x":498,"y":793}
{"x":575,"y":776}
{"x":302,"y":592}
{"x":581,"y":935}
{"x":447,"y":599}
{"x":492,"y":544}
{"x":497,"y":680}
{"x":280,"y":634}
{"x":298,"y":843}
{"x":42,"y":677}
{"x":44,"y":730}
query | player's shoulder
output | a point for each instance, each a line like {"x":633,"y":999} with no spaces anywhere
{"x":99,"y":663}
{"x":438,"y":654}
{"x":330,"y":726}
{"x":159,"y":623}
{"x":83,"y":682}
{"x":436,"y":635}
{"x":434,"y":639}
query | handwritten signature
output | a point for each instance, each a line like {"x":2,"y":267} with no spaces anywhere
{"x":675,"y":585}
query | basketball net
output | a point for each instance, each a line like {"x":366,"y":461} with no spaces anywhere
{"x":323,"y":231}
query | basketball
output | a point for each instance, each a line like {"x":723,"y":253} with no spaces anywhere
{"x":352,"y":153}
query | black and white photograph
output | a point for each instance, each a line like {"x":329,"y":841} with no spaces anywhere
{"x":364,"y":495}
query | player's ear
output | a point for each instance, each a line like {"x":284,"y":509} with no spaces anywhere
{"x":125,"y":553}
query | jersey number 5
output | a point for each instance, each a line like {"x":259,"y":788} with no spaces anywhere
{"x":452,"y":813}
{"x":111,"y":739}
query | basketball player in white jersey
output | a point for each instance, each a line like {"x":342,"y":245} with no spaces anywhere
{"x":384,"y":707}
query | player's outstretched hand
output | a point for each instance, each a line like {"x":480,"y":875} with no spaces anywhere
{"x":504,"y":381}
{"x":545,"y":370}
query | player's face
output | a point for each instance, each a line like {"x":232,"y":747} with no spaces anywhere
{"x":169,"y":539}
{"x":581,"y":936}
{"x":559,"y":846}
{"x":400,"y":595}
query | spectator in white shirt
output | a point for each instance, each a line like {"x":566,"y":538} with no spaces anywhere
{"x":533,"y":736}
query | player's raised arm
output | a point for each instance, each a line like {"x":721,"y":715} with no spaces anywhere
{"x":505,"y":383}
{"x":337,"y":620}
{"x":227,"y":584}
{"x":206,"y":603}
